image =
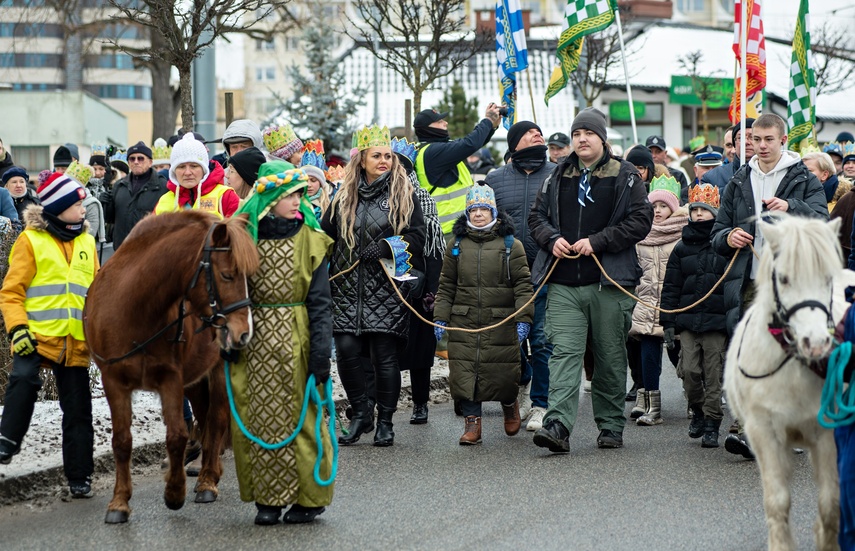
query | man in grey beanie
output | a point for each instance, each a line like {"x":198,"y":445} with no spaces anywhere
{"x":592,"y":203}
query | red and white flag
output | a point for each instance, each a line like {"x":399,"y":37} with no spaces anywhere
{"x":755,"y":53}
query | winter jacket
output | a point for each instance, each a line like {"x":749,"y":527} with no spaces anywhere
{"x":630,"y":217}
{"x":482,"y":285}
{"x":515,"y":193}
{"x":7,"y":205}
{"x":6,"y":163}
{"x":124,"y":208}
{"x":363,"y":299}
{"x":844,"y":208}
{"x":21,"y":203}
{"x":693,"y":268}
{"x":442,"y":157}
{"x":64,"y":350}
{"x":721,"y":176}
{"x":216,"y":197}
{"x":805,"y":197}
{"x":653,"y":253}
{"x":95,"y":217}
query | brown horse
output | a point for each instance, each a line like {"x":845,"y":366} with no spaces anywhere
{"x":156,"y":317}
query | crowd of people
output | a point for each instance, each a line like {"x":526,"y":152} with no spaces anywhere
{"x":538,"y":248}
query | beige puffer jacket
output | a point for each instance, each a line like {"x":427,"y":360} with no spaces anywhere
{"x":653,"y":253}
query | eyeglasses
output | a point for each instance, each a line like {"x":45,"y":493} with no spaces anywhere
{"x":137,"y":159}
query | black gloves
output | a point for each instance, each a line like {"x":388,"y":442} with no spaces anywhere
{"x":371,"y":253}
{"x":669,"y":338}
{"x":428,"y":302}
{"x":320,"y":368}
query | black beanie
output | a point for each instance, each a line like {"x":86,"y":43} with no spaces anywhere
{"x":140,"y":148}
{"x":247,"y":163}
{"x":62,"y":156}
{"x":844,"y":137}
{"x":590,"y":119}
{"x":517,"y":131}
{"x":639,"y":155}
{"x":98,"y":160}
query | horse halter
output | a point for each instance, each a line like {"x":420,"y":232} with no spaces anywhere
{"x":782,"y":315}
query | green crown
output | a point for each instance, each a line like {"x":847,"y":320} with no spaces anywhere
{"x":665,"y":183}
{"x":372,"y":136}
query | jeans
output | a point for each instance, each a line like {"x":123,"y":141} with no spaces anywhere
{"x":541,"y":351}
{"x":651,"y":361}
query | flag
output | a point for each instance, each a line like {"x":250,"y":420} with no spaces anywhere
{"x":581,"y":17}
{"x":755,"y":53}
{"x":801,"y":113}
{"x":511,"y":53}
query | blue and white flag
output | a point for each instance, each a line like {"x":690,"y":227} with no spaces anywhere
{"x":511,"y":53}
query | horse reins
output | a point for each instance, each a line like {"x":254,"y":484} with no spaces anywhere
{"x":218,"y":314}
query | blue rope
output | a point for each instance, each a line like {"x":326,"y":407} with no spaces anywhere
{"x":310,"y":394}
{"x":837,"y":406}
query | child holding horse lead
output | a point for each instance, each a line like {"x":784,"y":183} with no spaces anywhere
{"x":291,"y":307}
{"x":45,"y":325}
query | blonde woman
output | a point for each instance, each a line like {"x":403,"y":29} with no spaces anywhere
{"x":374,"y":215}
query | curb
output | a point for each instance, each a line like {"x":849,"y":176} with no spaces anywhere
{"x":51,"y":483}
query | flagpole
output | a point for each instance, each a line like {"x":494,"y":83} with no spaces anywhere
{"x":531,"y":96}
{"x":626,"y":77}
{"x":743,"y":47}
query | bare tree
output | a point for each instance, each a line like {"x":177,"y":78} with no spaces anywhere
{"x":706,"y":86}
{"x":187,"y":28}
{"x":832,"y":57}
{"x":601,"y":55}
{"x":421,"y":40}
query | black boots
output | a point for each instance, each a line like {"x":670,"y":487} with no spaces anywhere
{"x":554,"y":436}
{"x":710,"y":433}
{"x":737,"y":444}
{"x":420,"y":414}
{"x":267,"y":515}
{"x":696,"y":426}
{"x":384,"y":436}
{"x":362,"y":422}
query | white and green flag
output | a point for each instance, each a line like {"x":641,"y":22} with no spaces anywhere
{"x":801,"y":110}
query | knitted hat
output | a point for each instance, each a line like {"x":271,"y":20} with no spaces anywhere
{"x":844,"y":137}
{"x":59,"y":192}
{"x":187,"y":150}
{"x":140,"y":148}
{"x":98,"y":156}
{"x":749,"y":122}
{"x":62,"y":156}
{"x":665,"y":189}
{"x":80,"y":172}
{"x":590,"y":119}
{"x":246,"y":163}
{"x":161,"y":152}
{"x":43,"y":176}
{"x":72,"y":148}
{"x":639,"y":155}
{"x":705,"y":196}
{"x":281,"y":141}
{"x":481,"y":195}
{"x":15,"y":171}
{"x":517,"y":131}
{"x":313,"y":161}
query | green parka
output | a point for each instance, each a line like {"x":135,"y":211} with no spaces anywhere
{"x":480,"y":286}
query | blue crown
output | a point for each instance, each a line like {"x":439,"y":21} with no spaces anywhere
{"x":310,"y":158}
{"x":405,"y":148}
{"x":120,"y":156}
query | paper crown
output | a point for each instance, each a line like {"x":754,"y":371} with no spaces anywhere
{"x":705,"y":193}
{"x":481,"y":196}
{"x":405,"y":148}
{"x":848,"y":150}
{"x":832,"y":147}
{"x":120,"y":156}
{"x":697,"y":142}
{"x":281,"y":141}
{"x":80,"y":172}
{"x":371,"y":136}
{"x":98,"y":149}
{"x":665,"y":183}
{"x":161,"y":152}
{"x":399,"y":265}
{"x":335,"y":174}
{"x":807,"y":145}
{"x":313,"y":154}
{"x":273,"y":180}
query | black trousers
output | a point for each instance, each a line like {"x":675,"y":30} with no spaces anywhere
{"x":383,"y":350}
{"x":75,"y":401}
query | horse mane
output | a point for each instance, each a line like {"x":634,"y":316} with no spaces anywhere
{"x":244,"y":254}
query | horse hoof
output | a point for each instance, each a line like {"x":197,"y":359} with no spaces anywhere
{"x":174,"y":505}
{"x":116,"y":517}
{"x":206,"y":496}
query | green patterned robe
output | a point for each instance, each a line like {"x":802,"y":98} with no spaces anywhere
{"x":269,"y":382}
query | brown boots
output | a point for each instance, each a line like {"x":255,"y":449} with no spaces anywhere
{"x":471,"y":432}
{"x":512,"y":418}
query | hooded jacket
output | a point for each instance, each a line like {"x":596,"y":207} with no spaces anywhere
{"x":481,"y":286}
{"x":228,"y":200}
{"x":804,"y":196}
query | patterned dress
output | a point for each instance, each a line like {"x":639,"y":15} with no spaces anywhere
{"x":269,"y":382}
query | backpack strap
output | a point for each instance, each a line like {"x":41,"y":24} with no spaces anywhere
{"x":509,"y":243}
{"x":455,"y":249}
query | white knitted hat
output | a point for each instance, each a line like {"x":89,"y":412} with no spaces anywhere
{"x":188,"y":150}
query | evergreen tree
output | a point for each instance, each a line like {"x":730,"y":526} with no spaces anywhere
{"x":322,"y":101}
{"x":462,"y":111}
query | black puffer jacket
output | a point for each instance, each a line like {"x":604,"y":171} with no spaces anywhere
{"x":515,"y":193}
{"x":125,"y":209}
{"x":364,"y":300}
{"x":693,"y":268}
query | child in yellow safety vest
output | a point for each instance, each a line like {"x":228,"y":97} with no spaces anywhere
{"x":50,"y":269}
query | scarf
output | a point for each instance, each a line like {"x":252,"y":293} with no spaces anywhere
{"x":369,"y":190}
{"x":270,"y":187}
{"x":273,"y":227}
{"x":434,"y":241}
{"x":530,"y":158}
{"x":669,"y":230}
{"x":486,"y":228}
{"x":429,"y":134}
{"x":63,"y":230}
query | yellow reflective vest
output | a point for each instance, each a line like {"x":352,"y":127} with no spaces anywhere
{"x":211,"y":202}
{"x":451,"y":200}
{"x":56,"y":295}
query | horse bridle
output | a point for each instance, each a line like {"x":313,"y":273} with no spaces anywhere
{"x":217,"y":319}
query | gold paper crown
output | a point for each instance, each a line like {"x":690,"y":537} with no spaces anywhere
{"x":705,"y":193}
{"x":315,"y":146}
{"x":162,"y":154}
{"x":372,"y":136}
{"x":277,"y":137}
{"x":335,"y":174}
{"x":80,"y":172}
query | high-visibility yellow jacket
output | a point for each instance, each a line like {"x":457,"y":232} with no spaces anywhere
{"x":210,"y":202}
{"x":451,"y":200}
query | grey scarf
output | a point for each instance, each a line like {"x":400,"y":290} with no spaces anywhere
{"x":434,"y":242}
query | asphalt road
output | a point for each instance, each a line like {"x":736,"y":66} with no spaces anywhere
{"x":662,"y":491}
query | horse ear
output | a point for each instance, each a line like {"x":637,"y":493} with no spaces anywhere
{"x":835,"y":225}
{"x":220,"y":235}
{"x":771,"y":234}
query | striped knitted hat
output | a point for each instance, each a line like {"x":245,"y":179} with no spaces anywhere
{"x":59,"y":192}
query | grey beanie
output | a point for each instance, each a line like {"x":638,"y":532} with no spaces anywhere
{"x":590,"y":119}
{"x":243,"y":130}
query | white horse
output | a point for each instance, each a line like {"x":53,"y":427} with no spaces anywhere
{"x":769,"y":382}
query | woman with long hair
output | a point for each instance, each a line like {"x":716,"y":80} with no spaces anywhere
{"x":373,"y":216}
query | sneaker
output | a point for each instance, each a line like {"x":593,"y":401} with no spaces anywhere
{"x":535,"y":420}
{"x":609,"y":439}
{"x":586,"y":385}
{"x":7,"y":450}
{"x":553,"y":436}
{"x":81,"y":489}
{"x":524,"y":399}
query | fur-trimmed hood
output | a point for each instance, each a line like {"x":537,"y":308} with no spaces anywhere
{"x":34,"y":219}
{"x":504,"y":225}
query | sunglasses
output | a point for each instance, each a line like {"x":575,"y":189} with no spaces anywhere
{"x":137,"y":159}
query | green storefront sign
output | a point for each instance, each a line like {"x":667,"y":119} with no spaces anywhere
{"x":685,"y":91}
{"x":619,"y":110}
